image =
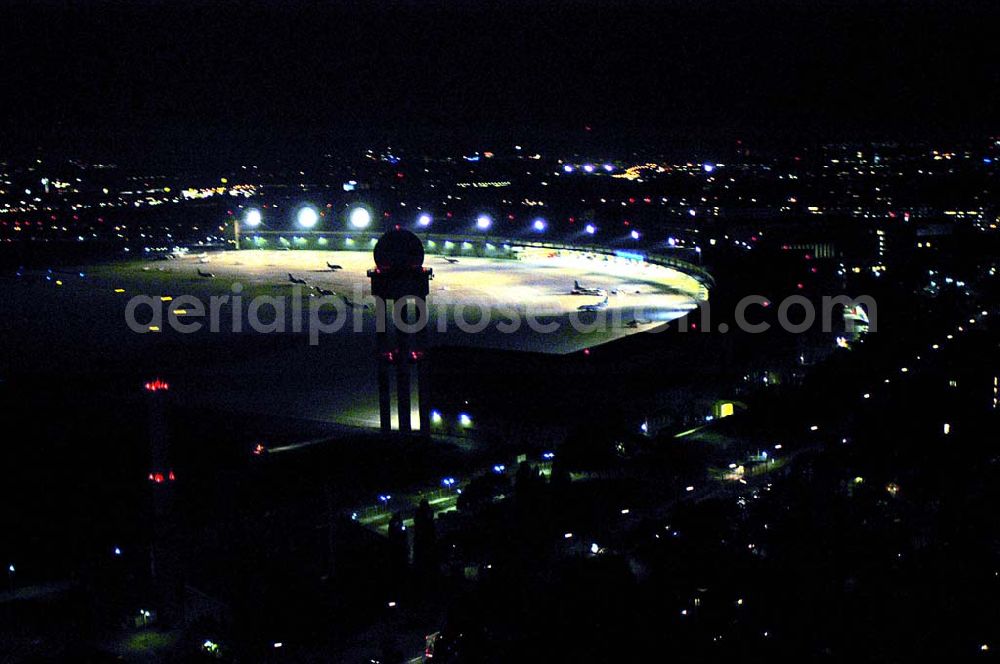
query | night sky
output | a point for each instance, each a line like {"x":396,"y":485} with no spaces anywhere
{"x":260,"y":75}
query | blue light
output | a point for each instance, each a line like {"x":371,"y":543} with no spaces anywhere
{"x":589,"y":168}
{"x":483,"y":222}
{"x":568,"y":168}
{"x":464,"y":419}
{"x":609,"y":167}
{"x":634,"y":234}
{"x":424,"y":220}
{"x":591,"y":229}
{"x":548,"y":455}
{"x":629,"y":255}
{"x":499,"y":468}
{"x":987,"y":160}
{"x":708,"y":168}
{"x":448,"y":482}
{"x":539,"y":224}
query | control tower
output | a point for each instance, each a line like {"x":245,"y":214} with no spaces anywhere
{"x":400,"y":284}
{"x":165,"y":552}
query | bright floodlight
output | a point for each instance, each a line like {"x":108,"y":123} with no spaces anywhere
{"x":591,"y":229}
{"x":709,"y":167}
{"x":424,"y":219}
{"x":360,"y":217}
{"x":635,"y":235}
{"x":539,"y":225}
{"x":589,"y":168}
{"x":483,"y":222}
{"x":568,"y":168}
{"x":609,"y":167}
{"x":307,"y":217}
{"x":253,"y":217}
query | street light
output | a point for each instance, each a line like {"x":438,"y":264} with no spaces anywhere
{"x":307,"y":217}
{"x":483,"y":222}
{"x":424,"y":220}
{"x":538,"y":224}
{"x":253,"y":218}
{"x":360,"y":217}
{"x":591,"y":229}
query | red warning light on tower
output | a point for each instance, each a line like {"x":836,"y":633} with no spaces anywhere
{"x":157,"y":386}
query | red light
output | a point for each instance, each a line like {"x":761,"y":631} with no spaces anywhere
{"x":808,"y":257}
{"x":258,"y":449}
{"x":156,"y":477}
{"x":171,"y":476}
{"x":416,"y":355}
{"x":799,"y":285}
{"x":157,"y":385}
{"x":766,"y":304}
{"x":586,"y":351}
{"x":753,"y":238}
{"x":694,"y":326}
{"x":814,"y":269}
{"x":400,"y":175}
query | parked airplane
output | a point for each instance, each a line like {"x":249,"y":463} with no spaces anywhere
{"x":207,"y":275}
{"x":585,"y":290}
{"x":295,"y":280}
{"x":603,"y":304}
{"x":450,"y":260}
{"x":334,"y":267}
{"x":325,"y":291}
